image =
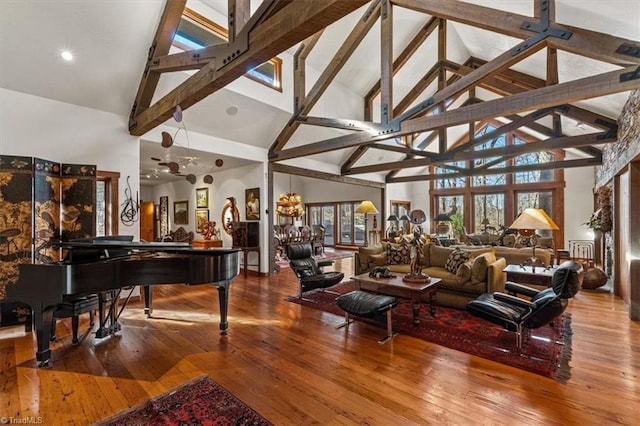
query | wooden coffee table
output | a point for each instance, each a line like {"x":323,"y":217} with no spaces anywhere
{"x":397,"y":287}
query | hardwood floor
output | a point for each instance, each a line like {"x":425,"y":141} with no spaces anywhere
{"x":291,"y":365}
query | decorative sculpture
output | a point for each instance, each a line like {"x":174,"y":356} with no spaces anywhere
{"x":417,"y":249}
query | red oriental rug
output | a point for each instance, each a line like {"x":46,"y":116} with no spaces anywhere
{"x":459,"y":330}
{"x":200,"y":401}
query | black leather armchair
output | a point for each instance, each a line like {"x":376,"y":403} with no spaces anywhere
{"x":308,"y":270}
{"x":540,"y":307}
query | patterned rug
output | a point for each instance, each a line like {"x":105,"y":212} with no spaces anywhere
{"x":459,"y":330}
{"x":199,"y":401}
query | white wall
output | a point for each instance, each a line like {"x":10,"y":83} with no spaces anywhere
{"x":578,"y":203}
{"x":66,"y":133}
{"x":227,"y":183}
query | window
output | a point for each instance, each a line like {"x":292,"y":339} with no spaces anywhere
{"x":324,"y":215}
{"x":533,"y":158}
{"x":347,"y":228}
{"x":107,"y":203}
{"x":489,"y":202}
{"x":488,"y":212}
{"x":493,"y":179}
{"x":458,"y":182}
{"x":195,"y":32}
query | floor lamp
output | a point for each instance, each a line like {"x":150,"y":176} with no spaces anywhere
{"x":527,"y":223}
{"x":366,"y":207}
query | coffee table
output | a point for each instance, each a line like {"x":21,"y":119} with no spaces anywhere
{"x":535,"y":275}
{"x":397,"y":287}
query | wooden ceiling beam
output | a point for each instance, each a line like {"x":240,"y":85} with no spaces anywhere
{"x":510,"y":151}
{"x":566,"y":164}
{"x":160,"y":46}
{"x":301,"y":171}
{"x":290,"y":25}
{"x":345,"y":51}
{"x":299,"y":69}
{"x":421,"y":36}
{"x":592,"y":44}
{"x":572,"y":91}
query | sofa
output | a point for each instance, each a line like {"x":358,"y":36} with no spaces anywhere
{"x":479,"y":271}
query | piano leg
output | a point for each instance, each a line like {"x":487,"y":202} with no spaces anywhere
{"x":148,"y":303}
{"x":223,"y":296}
{"x":42,"y":320}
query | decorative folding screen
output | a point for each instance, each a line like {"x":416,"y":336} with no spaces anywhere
{"x":41,"y":202}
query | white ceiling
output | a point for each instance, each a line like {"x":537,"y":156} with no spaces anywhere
{"x":110,"y":40}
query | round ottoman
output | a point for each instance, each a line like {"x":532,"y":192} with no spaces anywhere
{"x":594,"y":278}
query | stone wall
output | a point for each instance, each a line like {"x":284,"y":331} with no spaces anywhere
{"x":616,"y":156}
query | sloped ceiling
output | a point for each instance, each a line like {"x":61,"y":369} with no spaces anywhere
{"x":111,"y":43}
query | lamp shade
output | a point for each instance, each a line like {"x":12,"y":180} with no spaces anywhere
{"x":442,"y":217}
{"x":405,"y":217}
{"x":367,"y":207}
{"x":485,"y":221}
{"x":534,"y":219}
{"x":393,"y":217}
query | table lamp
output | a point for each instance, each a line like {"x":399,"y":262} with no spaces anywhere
{"x":442,"y":224}
{"x":393,"y":223}
{"x":527,"y":223}
{"x":366,"y":207}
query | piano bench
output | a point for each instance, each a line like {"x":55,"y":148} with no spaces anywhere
{"x":73,"y":308}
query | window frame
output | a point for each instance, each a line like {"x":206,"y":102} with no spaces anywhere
{"x":220,"y":31}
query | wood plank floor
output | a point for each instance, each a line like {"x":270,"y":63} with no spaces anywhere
{"x":291,"y":365}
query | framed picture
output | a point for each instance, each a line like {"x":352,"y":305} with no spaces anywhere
{"x":202,"y":216}
{"x":202,"y":198}
{"x":181,"y":212}
{"x":252,"y":203}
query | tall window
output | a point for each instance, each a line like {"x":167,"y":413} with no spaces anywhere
{"x":488,"y":211}
{"x":107,"y":203}
{"x":346,"y":227}
{"x":533,"y":158}
{"x":493,"y":179}
{"x":490,"y":201}
{"x":195,"y":32}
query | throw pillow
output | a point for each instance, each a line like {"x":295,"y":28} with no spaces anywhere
{"x":438,"y":256}
{"x":398,"y":254}
{"x":455,"y":259}
{"x":464,"y":272}
{"x":481,"y":266}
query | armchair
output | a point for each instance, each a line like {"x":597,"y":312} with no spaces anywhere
{"x":518,"y":314}
{"x":308,"y":270}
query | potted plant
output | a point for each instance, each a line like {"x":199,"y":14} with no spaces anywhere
{"x":456,"y":224}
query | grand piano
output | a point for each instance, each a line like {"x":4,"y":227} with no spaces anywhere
{"x":102,"y":264}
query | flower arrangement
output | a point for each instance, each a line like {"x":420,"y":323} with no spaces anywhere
{"x":595,"y":221}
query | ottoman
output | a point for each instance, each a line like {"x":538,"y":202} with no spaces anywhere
{"x":367,"y":305}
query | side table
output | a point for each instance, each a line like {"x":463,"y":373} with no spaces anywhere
{"x":534,"y":275}
{"x":245,"y":255}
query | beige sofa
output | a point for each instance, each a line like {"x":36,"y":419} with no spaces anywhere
{"x":483,"y":273}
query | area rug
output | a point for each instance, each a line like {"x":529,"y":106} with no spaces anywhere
{"x":198,"y":402}
{"x":459,"y":330}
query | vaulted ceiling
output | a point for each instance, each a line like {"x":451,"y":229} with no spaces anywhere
{"x":441,"y":68}
{"x":537,"y":75}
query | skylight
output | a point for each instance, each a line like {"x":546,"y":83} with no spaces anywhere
{"x":196,"y":32}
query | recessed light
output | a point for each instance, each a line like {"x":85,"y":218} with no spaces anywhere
{"x":66,"y":55}
{"x":232,"y":110}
